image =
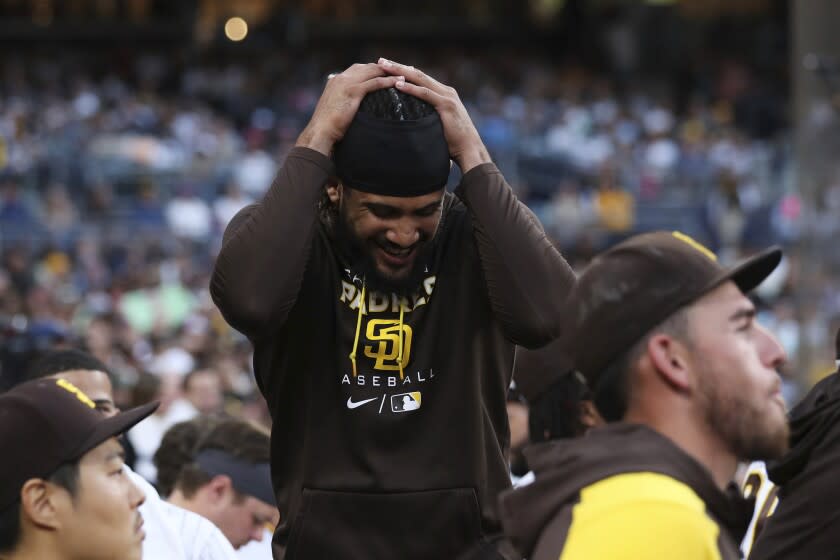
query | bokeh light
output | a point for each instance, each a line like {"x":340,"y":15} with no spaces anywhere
{"x":236,"y":29}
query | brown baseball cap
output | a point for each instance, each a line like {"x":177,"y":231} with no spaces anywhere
{"x":46,"y":423}
{"x":634,"y":286}
{"x":536,"y":370}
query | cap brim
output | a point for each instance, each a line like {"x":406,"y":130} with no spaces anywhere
{"x":753,"y":271}
{"x":116,"y":425}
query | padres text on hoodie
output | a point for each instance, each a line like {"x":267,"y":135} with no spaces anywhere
{"x":389,"y":424}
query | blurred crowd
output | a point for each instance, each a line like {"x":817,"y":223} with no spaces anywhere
{"x":118,"y":177}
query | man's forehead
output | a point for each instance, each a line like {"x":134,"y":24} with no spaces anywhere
{"x":265,"y":511}
{"x":105,"y":451}
{"x":404,"y":202}
{"x":727,"y":296}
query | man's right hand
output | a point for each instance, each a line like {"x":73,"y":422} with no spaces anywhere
{"x":339,"y":102}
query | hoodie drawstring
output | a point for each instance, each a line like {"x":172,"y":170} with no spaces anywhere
{"x":359,"y":333}
{"x":358,"y":329}
{"x":400,"y":354}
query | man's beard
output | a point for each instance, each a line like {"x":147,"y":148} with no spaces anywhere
{"x":363,"y":263}
{"x":746,"y":426}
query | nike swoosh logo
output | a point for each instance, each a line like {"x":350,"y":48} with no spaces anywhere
{"x":351,"y":405}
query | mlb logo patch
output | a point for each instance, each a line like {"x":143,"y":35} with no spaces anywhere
{"x":405,"y":402}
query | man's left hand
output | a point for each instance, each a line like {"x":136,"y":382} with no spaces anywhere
{"x":465,"y":145}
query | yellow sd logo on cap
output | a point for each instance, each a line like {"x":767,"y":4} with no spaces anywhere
{"x":70,"y":388}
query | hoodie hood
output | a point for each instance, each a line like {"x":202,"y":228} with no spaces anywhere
{"x":810,"y":422}
{"x":562,"y":468}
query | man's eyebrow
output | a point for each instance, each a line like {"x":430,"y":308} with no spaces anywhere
{"x":379,"y":206}
{"x":433,"y":206}
{"x":102,"y":401}
{"x":115,"y":454}
{"x":742,"y":313}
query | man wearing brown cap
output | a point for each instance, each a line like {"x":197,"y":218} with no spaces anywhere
{"x":171,"y":532}
{"x":384,"y":312}
{"x":63,"y":491}
{"x":670,"y":348}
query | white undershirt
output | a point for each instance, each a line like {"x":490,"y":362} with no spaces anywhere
{"x":257,"y":550}
{"x":173,"y":533}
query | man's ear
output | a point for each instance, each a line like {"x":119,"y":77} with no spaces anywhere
{"x":669,"y":358}
{"x":219,"y":488}
{"x":42,"y":503}
{"x":334,"y":189}
{"x":589,"y":416}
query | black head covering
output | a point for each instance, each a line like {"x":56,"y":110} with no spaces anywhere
{"x":394,"y":147}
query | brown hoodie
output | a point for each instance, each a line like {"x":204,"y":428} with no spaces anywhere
{"x":376,"y":457}
{"x":806,"y":523}
{"x":538,"y":518}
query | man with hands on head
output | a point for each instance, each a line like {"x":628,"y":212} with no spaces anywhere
{"x":384,"y":313}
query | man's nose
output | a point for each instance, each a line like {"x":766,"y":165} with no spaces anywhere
{"x":772,"y":353}
{"x":404,"y":234}
{"x":135,"y":494}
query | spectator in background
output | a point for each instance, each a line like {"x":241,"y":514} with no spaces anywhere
{"x":14,"y":211}
{"x":219,"y":470}
{"x":202,"y":388}
{"x":60,"y":216}
{"x":255,"y":170}
{"x":146,"y":436}
{"x":559,"y":402}
{"x":613,"y":205}
{"x":194,"y":538}
{"x":188,"y":216}
{"x":178,"y":449}
{"x":84,"y":371}
{"x":232,"y":200}
{"x":147,"y":212}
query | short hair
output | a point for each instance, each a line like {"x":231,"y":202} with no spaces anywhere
{"x":394,"y":105}
{"x":556,"y":413}
{"x":611,"y":394}
{"x":66,"y":476}
{"x":188,"y":378}
{"x":146,"y":389}
{"x":240,"y":438}
{"x":178,"y":448}
{"x":58,"y":361}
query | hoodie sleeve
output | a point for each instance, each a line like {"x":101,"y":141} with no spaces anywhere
{"x":527,"y":278}
{"x":266,"y":246}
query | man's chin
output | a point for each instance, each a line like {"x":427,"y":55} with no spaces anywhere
{"x":395,"y":275}
{"x":402,"y":281}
